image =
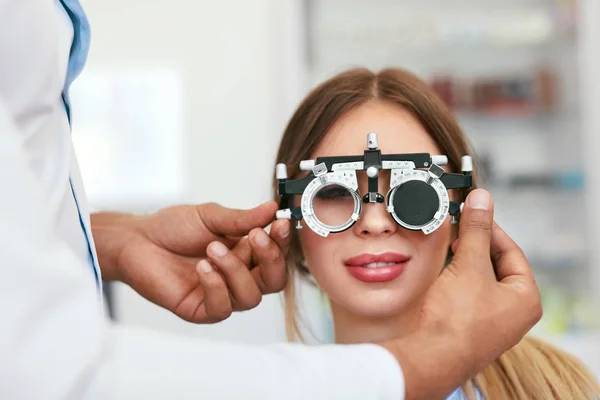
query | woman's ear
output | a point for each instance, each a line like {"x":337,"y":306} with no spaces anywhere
{"x":449,"y":256}
{"x":453,"y":233}
{"x":303,"y":266}
{"x":453,"y":237}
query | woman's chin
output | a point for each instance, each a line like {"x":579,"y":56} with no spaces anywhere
{"x":380,"y":304}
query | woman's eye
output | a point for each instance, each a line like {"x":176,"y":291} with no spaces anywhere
{"x":333,"y":192}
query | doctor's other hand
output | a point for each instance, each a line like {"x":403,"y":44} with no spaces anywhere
{"x":162,"y":256}
{"x":482,"y":304}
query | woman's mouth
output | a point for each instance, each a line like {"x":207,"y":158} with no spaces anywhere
{"x":373,"y":268}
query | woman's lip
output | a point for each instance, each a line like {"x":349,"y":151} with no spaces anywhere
{"x":365,"y":259}
{"x":377,"y":275}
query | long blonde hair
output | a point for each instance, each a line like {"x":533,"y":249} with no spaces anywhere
{"x":531,"y":370}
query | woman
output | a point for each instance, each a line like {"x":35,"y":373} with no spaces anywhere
{"x":376,"y":273}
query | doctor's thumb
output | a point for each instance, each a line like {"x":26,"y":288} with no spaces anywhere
{"x":233,"y":222}
{"x":475,"y":230}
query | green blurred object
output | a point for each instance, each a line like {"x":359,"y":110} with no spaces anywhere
{"x":555,"y":320}
{"x":566,"y":313}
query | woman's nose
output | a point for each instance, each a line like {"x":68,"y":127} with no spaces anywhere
{"x":374,"y":220}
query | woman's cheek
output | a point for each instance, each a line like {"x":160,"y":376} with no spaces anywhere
{"x":322,"y":257}
{"x":314,"y":249}
{"x":433,"y":248}
{"x":309,"y":243}
{"x":439,"y":246}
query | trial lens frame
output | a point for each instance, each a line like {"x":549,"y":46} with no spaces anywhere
{"x":418,"y":196}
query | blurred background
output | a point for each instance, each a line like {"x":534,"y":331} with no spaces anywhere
{"x":185,"y":101}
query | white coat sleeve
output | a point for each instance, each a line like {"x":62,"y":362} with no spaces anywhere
{"x":55,"y":342}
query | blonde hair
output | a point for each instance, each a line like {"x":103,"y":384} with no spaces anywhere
{"x":531,"y":370}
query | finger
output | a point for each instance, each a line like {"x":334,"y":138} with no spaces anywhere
{"x":243,"y":251}
{"x":475,"y":230}
{"x":508,"y":258}
{"x":240,"y":282}
{"x":280,"y":233}
{"x":455,"y":245}
{"x":513,"y":270}
{"x":217,"y":304}
{"x":271,"y":274}
{"x":226,"y":221}
{"x":188,"y":305}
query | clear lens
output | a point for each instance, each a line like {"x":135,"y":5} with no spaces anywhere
{"x":333,"y":205}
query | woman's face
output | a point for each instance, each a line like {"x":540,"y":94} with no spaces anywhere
{"x":408,"y":261}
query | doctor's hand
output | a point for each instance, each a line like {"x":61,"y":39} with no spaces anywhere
{"x":200,"y":262}
{"x":480,"y":306}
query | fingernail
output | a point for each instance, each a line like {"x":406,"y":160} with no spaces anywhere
{"x":205,"y":266}
{"x":261,"y":238}
{"x":218,"y":249}
{"x":479,"y":200}
{"x":284,"y":231}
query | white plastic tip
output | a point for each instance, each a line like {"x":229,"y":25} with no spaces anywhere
{"x":462,"y":205}
{"x":307,"y":165}
{"x":439,"y":160}
{"x":281,"y":171}
{"x":466,"y":164}
{"x":284,"y":214}
{"x":372,"y":140}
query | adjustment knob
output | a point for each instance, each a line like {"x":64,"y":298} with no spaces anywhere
{"x":372,"y":141}
{"x":466,"y":164}
{"x":284,"y":214}
{"x":307,"y":165}
{"x":439,"y":160}
{"x":372,"y":172}
{"x":281,"y":171}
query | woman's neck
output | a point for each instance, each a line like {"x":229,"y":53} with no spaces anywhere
{"x":351,"y":328}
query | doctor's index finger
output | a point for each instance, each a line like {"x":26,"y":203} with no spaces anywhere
{"x":509,"y":260}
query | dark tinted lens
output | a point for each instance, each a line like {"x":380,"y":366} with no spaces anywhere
{"x":415,"y":203}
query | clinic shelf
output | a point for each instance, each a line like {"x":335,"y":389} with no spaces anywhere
{"x":515,"y":115}
{"x":521,"y":190}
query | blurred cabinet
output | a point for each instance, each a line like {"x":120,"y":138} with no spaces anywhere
{"x":519,"y":76}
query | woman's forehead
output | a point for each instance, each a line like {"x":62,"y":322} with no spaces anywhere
{"x":398,"y":131}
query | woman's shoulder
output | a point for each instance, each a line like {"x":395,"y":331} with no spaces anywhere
{"x":459,"y":394}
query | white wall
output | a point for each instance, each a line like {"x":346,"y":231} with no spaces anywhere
{"x":241,"y":70}
{"x":228,"y":54}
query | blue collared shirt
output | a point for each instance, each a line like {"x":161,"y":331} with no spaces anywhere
{"x":459,"y":394}
{"x":77,"y":59}
{"x":80,"y":46}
